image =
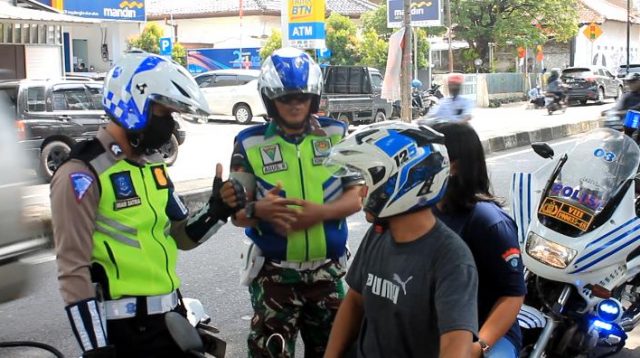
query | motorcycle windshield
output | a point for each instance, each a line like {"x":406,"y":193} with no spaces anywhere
{"x":586,"y":187}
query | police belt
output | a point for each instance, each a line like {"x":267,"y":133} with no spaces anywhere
{"x":128,"y":307}
{"x":306,"y":265}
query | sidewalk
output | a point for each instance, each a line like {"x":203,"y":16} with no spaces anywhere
{"x":513,"y":125}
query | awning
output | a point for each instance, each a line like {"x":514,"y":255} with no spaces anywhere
{"x":12,"y":13}
{"x":442,"y":45}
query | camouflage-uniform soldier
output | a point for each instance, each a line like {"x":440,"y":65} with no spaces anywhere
{"x":299,"y":287}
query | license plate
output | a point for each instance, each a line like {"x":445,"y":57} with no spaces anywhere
{"x":566,"y":213}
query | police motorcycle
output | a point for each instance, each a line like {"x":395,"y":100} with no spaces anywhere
{"x":579,"y":233}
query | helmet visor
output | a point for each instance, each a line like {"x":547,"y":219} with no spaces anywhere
{"x":178,"y":106}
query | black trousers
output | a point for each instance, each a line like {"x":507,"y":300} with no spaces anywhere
{"x":143,"y":337}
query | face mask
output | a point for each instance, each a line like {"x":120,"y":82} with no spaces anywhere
{"x":155,"y":135}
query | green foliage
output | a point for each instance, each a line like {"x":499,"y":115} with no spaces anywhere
{"x":149,"y":41}
{"x":376,"y":20}
{"x":374,"y":50}
{"x":273,"y":43}
{"x":179,"y":54}
{"x":342,"y":40}
{"x":481,"y":22}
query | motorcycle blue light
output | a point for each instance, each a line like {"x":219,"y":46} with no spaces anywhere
{"x":609,"y":310}
{"x":602,"y":326}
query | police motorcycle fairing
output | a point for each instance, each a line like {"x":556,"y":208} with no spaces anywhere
{"x":579,"y":234}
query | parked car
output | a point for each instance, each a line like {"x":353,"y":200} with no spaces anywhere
{"x":233,"y":93}
{"x":594,"y":83}
{"x":622,"y":69}
{"x":18,"y":241}
{"x":352,"y":94}
{"x":53,"y":115}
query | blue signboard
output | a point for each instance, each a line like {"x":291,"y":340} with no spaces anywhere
{"x":116,"y":10}
{"x":204,"y":60}
{"x":423,"y":13}
{"x":166,"y":46}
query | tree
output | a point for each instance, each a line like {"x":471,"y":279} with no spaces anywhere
{"x":374,"y":50}
{"x":273,"y":43}
{"x":521,"y":22}
{"x":342,"y":40}
{"x":149,"y":40}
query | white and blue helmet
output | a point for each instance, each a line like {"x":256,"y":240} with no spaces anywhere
{"x":405,"y":166}
{"x":289,"y":71}
{"x":140,"y":78}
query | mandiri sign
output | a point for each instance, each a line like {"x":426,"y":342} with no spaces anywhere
{"x":423,"y":13}
{"x":114,"y":10}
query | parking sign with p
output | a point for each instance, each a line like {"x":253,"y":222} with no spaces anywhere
{"x":166,"y":46}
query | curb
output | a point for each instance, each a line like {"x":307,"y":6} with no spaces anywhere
{"x":522,"y":139}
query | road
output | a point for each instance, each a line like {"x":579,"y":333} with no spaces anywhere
{"x":211,"y":274}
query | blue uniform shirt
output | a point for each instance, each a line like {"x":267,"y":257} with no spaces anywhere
{"x":492,"y":237}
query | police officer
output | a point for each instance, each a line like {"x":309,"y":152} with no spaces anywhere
{"x":630,"y":100}
{"x":117,"y":220}
{"x":299,"y":287}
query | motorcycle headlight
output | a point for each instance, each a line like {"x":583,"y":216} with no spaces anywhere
{"x":548,"y":252}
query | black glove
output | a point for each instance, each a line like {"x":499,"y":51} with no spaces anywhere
{"x":217,"y":207}
{"x":102,"y":352}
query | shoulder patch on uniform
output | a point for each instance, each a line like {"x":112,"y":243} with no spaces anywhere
{"x":80,"y":182}
{"x":160,"y":177}
{"x":512,"y":257}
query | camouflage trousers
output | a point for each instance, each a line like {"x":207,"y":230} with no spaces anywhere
{"x":286,"y":300}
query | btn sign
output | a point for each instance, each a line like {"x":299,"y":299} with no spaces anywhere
{"x":306,"y":24}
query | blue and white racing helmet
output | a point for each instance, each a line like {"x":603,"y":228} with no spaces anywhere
{"x":289,"y":71}
{"x":405,"y":166}
{"x":139,"y":79}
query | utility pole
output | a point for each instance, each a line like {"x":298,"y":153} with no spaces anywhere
{"x":405,"y":77}
{"x":628,"y":32}
{"x":449,"y":35}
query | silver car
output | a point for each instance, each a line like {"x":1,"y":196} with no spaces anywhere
{"x":233,"y":93}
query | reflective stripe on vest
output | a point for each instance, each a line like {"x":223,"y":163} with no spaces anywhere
{"x":301,"y":171}
{"x":131,"y":239}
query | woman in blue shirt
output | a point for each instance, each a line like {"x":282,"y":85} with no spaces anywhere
{"x":470,"y":209}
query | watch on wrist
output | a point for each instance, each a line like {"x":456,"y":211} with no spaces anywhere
{"x":483,"y":346}
{"x":250,"y":210}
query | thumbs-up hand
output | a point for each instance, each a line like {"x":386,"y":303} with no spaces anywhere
{"x":226,"y":197}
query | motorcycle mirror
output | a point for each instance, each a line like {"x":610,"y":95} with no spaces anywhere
{"x":185,"y":335}
{"x":543,"y":149}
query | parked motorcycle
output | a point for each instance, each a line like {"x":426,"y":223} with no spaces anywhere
{"x":553,"y":103}
{"x":579,"y":232}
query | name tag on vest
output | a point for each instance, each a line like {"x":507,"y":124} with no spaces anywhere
{"x":272,"y":159}
{"x":126,"y":195}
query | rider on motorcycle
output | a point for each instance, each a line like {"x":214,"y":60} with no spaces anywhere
{"x":416,"y":97}
{"x":555,"y":86}
{"x":630,"y":100}
{"x":454,"y":108}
